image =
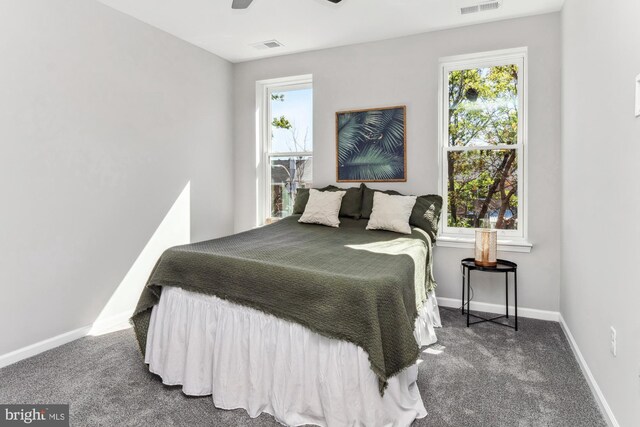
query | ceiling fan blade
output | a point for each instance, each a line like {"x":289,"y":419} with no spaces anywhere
{"x":241,"y":4}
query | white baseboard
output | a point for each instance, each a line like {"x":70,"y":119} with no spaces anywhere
{"x":532,"y":313}
{"x":111,"y":324}
{"x":595,"y":389}
{"x":99,"y":327}
{"x":39,"y":347}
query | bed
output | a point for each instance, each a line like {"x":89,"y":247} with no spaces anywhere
{"x":311,"y":324}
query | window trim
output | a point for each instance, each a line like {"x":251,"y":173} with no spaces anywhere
{"x":264,"y":88}
{"x":460,"y":237}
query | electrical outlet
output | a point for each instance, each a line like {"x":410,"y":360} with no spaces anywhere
{"x":614,"y":343}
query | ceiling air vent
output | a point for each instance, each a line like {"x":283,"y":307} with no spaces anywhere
{"x":489,"y":6}
{"x":269,"y":44}
{"x":475,"y":6}
{"x":469,"y":9}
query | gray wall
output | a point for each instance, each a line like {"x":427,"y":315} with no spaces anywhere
{"x":99,"y":112}
{"x":103,"y":121}
{"x":404,"y":71}
{"x":601,"y":202}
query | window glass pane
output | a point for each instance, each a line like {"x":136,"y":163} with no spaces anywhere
{"x":483,"y":189}
{"x":292,"y":120}
{"x":483,"y":106}
{"x":287,"y":175}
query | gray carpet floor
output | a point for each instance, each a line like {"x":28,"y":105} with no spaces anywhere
{"x":487,"y":375}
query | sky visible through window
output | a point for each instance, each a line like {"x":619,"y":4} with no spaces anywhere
{"x":297,"y":108}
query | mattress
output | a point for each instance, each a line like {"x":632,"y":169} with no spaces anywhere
{"x":246,"y":358}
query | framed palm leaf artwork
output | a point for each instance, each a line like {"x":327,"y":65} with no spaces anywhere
{"x":371,"y":145}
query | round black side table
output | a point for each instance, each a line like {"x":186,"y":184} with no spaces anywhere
{"x":504,"y":266}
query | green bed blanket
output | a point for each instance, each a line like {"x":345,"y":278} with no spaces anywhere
{"x":345,"y":283}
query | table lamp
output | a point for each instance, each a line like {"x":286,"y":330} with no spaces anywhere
{"x":486,"y":247}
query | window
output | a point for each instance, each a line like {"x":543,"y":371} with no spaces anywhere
{"x":287,"y":144}
{"x":483,"y":140}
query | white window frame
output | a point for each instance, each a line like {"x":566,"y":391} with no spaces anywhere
{"x":509,"y":240}
{"x":264,"y":89}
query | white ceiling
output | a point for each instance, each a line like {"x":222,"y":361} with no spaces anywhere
{"x":302,"y":25}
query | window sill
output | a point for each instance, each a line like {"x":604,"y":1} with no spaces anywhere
{"x":468,"y":243}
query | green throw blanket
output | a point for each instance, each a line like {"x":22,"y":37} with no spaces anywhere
{"x":326,"y":279}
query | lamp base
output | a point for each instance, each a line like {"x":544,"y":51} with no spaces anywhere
{"x":485,"y":263}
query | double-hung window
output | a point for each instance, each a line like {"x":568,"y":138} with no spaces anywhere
{"x":287,"y":144}
{"x":482,"y":145}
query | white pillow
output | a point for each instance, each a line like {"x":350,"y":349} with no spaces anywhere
{"x":391,"y":213}
{"x":323,"y":208}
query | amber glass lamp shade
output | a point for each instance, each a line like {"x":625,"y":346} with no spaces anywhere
{"x":486,"y":247}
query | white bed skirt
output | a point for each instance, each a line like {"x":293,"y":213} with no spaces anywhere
{"x":247,"y":359}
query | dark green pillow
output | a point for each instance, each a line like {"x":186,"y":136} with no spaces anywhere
{"x":302,"y":197}
{"x":426,"y":214}
{"x":351,"y":202}
{"x":367,"y":200}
